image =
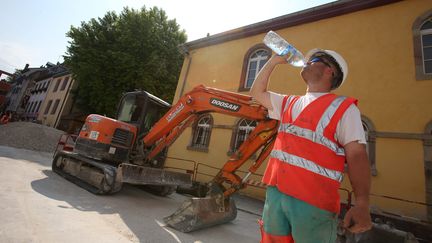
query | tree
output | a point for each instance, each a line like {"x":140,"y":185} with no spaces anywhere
{"x":137,"y":49}
{"x":17,"y":73}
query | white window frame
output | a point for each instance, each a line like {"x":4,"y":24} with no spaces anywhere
{"x":244,"y":128}
{"x":423,"y":33}
{"x":259,"y":56}
{"x":201,"y":133}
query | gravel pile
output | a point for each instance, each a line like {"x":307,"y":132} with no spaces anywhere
{"x":28,"y":135}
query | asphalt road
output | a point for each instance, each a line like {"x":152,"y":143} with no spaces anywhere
{"x":37,"y":205}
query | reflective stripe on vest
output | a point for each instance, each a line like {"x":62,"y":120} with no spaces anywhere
{"x":328,"y":114}
{"x":312,"y":136}
{"x":307,"y":164}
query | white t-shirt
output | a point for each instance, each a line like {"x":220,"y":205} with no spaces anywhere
{"x":349,"y":128}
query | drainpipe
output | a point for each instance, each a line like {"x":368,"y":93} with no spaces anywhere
{"x":185,"y":52}
{"x":427,"y":148}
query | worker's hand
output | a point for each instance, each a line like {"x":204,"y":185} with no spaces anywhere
{"x":357,"y":219}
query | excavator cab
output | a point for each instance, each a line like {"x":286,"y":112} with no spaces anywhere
{"x":141,"y":109}
{"x":116,"y":140}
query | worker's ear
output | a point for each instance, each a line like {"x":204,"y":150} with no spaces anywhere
{"x":329,"y":71}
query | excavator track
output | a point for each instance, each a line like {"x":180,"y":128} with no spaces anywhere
{"x":95,"y":177}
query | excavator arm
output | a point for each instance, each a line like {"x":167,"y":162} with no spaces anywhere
{"x":204,"y":100}
{"x":217,"y":206}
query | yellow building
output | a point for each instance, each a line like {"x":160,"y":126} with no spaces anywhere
{"x":58,"y":101}
{"x":388,"y":46}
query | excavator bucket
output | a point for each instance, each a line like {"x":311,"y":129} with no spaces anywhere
{"x":198,"y":213}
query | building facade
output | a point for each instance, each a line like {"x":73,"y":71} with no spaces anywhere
{"x":28,"y":90}
{"x":388,"y":47}
{"x":18,"y":96}
{"x":38,"y":93}
{"x":58,"y":101}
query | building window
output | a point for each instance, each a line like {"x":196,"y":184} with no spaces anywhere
{"x":28,"y":107}
{"x":201,"y":133}
{"x":47,"y":107}
{"x":422,"y":34}
{"x":57,"y":85}
{"x":38,"y":106}
{"x":54,"y":109}
{"x":253,"y":62}
{"x":242,"y":130}
{"x":34,"y":107}
{"x":426,"y":38}
{"x":65,"y":81}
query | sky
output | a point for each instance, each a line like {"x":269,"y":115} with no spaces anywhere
{"x":34,"y":31}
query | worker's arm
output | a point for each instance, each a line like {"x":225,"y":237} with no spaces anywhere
{"x":259,"y":86}
{"x":358,"y":219}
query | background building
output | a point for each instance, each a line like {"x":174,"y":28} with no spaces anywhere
{"x":37,"y":96}
{"x":18,"y":96}
{"x":28,"y":90}
{"x":58,"y":103}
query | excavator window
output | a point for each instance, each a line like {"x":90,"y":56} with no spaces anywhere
{"x":126,"y":109}
{"x":153,"y":113}
{"x":141,"y":109}
{"x":131,"y":108}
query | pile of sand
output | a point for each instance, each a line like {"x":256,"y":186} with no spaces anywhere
{"x":28,"y":135}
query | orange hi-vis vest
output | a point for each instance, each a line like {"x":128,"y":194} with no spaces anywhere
{"x":307,"y":162}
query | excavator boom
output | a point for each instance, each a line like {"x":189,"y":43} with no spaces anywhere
{"x":217,"y":206}
{"x":202,"y":100}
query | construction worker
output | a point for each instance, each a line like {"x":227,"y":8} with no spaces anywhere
{"x":318,"y":133}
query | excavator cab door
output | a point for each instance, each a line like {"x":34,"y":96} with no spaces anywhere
{"x":141,"y":109}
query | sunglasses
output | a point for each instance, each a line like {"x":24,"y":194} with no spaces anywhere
{"x":319,"y":59}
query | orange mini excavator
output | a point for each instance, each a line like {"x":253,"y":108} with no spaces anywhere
{"x":132,"y":149}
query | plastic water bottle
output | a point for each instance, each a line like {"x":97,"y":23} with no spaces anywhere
{"x":281,"y":47}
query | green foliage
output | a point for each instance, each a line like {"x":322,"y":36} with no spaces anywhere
{"x":137,"y":49}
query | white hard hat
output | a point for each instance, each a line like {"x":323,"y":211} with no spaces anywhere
{"x":337,"y":59}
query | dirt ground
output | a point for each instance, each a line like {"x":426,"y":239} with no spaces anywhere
{"x":37,"y":205}
{"x":28,"y":135}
